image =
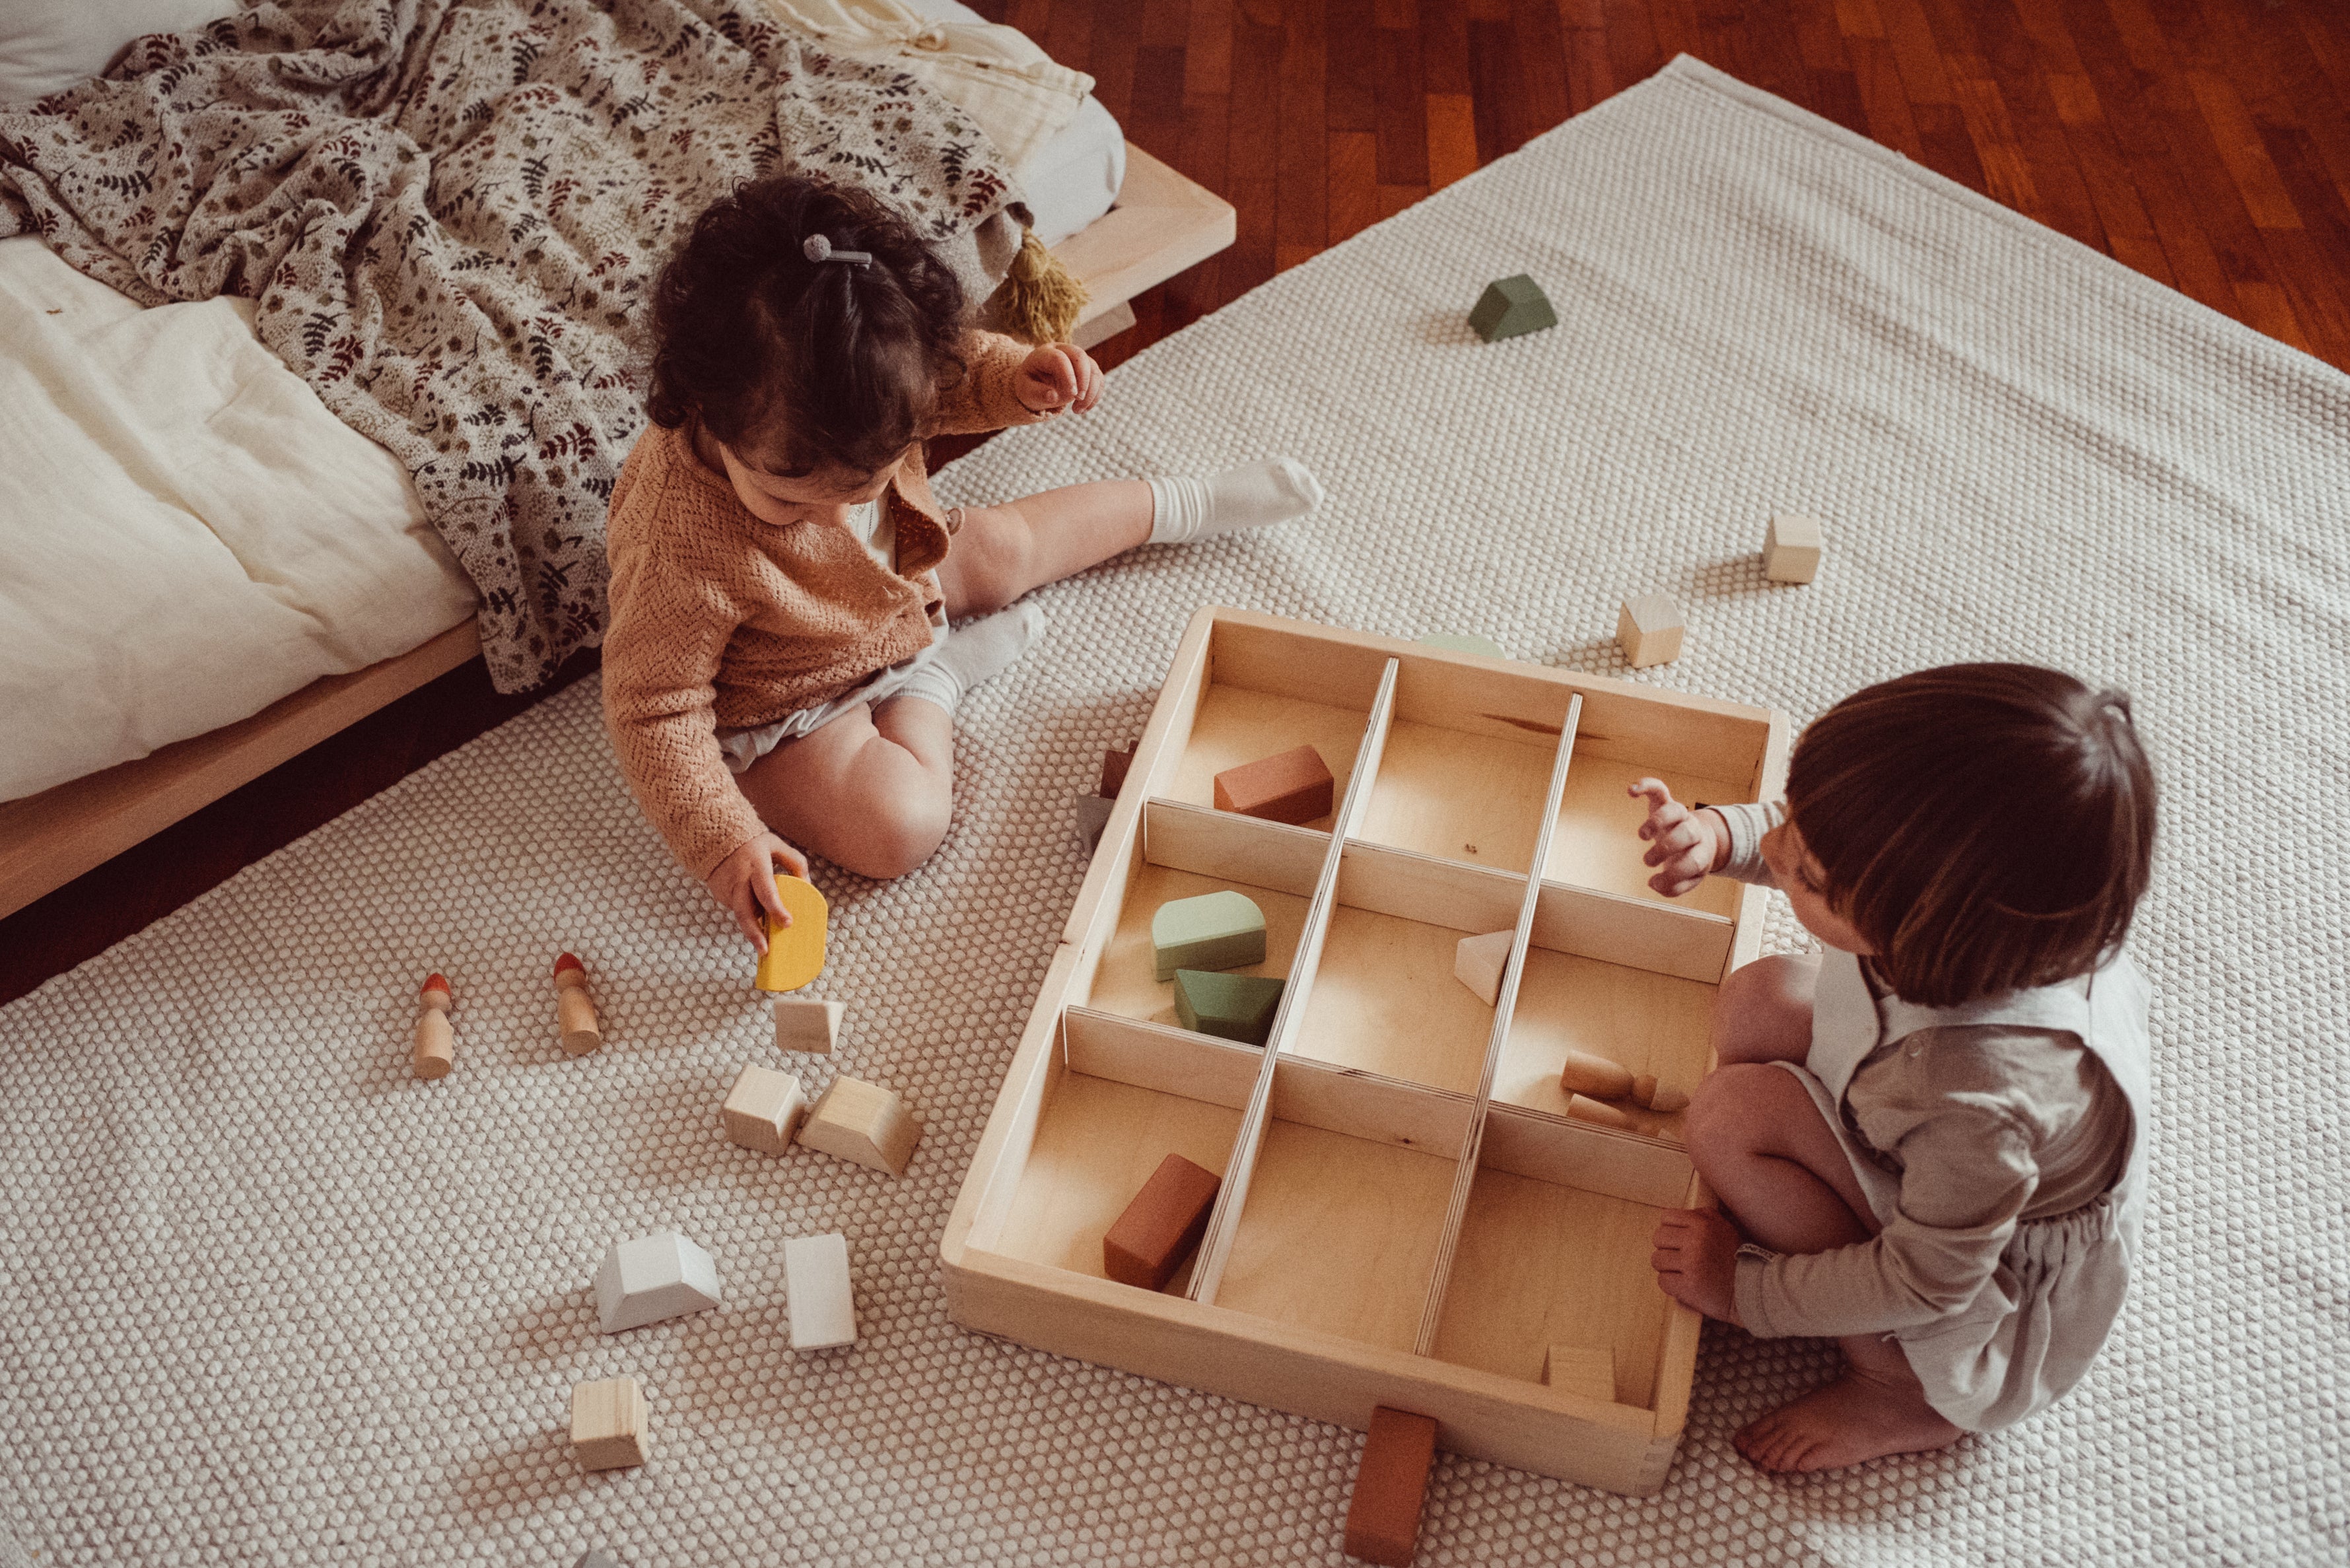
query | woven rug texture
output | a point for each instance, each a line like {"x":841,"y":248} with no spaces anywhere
{"x":266,"y":1299}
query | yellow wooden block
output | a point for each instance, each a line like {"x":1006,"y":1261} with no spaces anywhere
{"x":795,"y":952}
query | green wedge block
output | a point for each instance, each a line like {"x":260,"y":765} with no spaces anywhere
{"x":1511,"y":307}
{"x":1214,"y":930}
{"x":1462,"y":642}
{"x":1230,"y":1006}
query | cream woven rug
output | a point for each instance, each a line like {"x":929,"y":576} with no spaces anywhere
{"x":265,"y":1299}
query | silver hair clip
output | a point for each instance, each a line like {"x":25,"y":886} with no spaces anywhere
{"x":817,"y":248}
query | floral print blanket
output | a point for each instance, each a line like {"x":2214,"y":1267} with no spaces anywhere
{"x":450,"y":213}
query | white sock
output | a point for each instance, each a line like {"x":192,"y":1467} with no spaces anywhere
{"x":973,"y":653}
{"x":1184,"y":507}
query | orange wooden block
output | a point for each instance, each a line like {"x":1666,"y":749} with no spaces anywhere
{"x":1113,"y":773}
{"x":1294,"y":788}
{"x":1383,"y":1520}
{"x":795,"y":952}
{"x":1161,"y":1226}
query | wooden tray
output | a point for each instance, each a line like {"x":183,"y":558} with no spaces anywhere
{"x":1407,"y":1217}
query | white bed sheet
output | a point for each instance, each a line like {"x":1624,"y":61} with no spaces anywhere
{"x":186,"y":534}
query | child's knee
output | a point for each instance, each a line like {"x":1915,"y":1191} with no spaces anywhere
{"x":900,"y":834}
{"x":990,"y":559}
{"x":1763,"y":1012}
{"x":1733,"y":1108}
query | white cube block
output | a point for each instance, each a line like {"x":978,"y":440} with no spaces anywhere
{"x":1478,"y":962}
{"x":1791,"y":548}
{"x":654,"y":1277}
{"x":815,"y":1282}
{"x":804,"y":1023}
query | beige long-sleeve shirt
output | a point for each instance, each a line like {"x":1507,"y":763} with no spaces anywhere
{"x":1985,"y":1126}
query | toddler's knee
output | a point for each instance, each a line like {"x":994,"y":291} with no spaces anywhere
{"x":900,"y":838}
{"x":1722,"y":1115}
{"x":1763,"y":1012}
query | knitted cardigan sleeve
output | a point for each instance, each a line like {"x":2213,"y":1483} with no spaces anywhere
{"x":988,"y":396}
{"x":669,"y":629}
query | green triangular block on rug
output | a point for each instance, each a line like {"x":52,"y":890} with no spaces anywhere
{"x":1231,"y":1006}
{"x":1509,"y":307}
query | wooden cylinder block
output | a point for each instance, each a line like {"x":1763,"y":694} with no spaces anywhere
{"x":435,"y":1052}
{"x":1666,"y":1102}
{"x":1587,"y":1075}
{"x":1584,"y":1108}
{"x":575,"y":1014}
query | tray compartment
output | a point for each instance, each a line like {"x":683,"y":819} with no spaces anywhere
{"x":1648,"y":1022}
{"x":1127,"y":980}
{"x":1598,"y":843}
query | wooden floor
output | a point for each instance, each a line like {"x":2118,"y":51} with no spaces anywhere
{"x":2204,"y":142}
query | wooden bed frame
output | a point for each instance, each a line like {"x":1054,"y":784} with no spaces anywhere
{"x":1161,"y":224}
{"x":1410,"y":1214}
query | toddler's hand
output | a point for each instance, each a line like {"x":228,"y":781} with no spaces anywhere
{"x":1689,"y":846}
{"x":744,"y":882}
{"x":1058,"y":378}
{"x":1696,"y":1260}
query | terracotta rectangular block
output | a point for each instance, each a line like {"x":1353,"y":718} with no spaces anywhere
{"x":1383,"y":1520}
{"x":1161,"y":1226}
{"x":1294,"y":786}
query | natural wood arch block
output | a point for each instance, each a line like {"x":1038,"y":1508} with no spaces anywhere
{"x":1649,"y":629}
{"x":1791,"y":548}
{"x":795,"y":952}
{"x":863,"y":1123}
{"x":1391,"y":1484}
{"x":1294,"y":787}
{"x":763,"y":1110}
{"x":1160,"y":1227}
{"x":607,"y":1425}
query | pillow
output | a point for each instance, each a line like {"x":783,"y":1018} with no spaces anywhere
{"x":46,"y":45}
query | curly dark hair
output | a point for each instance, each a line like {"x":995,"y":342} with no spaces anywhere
{"x":806,"y":364}
{"x":1988,"y":827}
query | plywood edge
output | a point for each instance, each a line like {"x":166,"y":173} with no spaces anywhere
{"x":49,"y":839}
{"x":1161,"y":223}
{"x":994,"y":1173}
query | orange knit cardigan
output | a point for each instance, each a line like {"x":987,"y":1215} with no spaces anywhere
{"x":720,"y":621}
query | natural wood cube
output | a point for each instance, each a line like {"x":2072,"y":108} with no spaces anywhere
{"x":1478,"y":963}
{"x":1292,"y":786}
{"x":1649,"y":629}
{"x":1214,"y":930}
{"x":607,"y":1425}
{"x":1791,"y":548}
{"x":763,"y":1109}
{"x":1163,"y":1224}
{"x":1392,"y":1483}
{"x":806,"y":1026}
{"x":863,"y":1123}
{"x":1585,"y":1369}
{"x":815,"y":1287}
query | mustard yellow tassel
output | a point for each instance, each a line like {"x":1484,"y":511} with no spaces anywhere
{"x":1038,"y":301}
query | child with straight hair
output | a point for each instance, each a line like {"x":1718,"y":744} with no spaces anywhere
{"x":794,"y":617}
{"x":1932,"y":1135}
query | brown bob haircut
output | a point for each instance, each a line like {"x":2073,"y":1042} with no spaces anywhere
{"x":1986,"y":828}
{"x":800,"y":365}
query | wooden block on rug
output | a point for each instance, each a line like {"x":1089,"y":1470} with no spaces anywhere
{"x":1391,"y":1484}
{"x":654,"y":1278}
{"x":1214,"y":930}
{"x":1585,"y":1369}
{"x":1294,"y":787}
{"x":434,"y":1051}
{"x":815,"y":1288}
{"x":863,"y":1123}
{"x":1161,"y":1225}
{"x":1092,"y":816}
{"x":607,"y":1425}
{"x":1511,"y":309}
{"x":1649,"y":629}
{"x":575,"y":1011}
{"x":795,"y":952}
{"x":1791,"y":548}
{"x":1478,"y":962}
{"x":806,"y":1026}
{"x":1229,"y":1006}
{"x":763,"y":1110}
{"x":1584,"y":1073}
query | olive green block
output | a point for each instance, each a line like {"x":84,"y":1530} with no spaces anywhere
{"x":1511,"y":307}
{"x":1214,"y":930}
{"x":1230,"y":1006}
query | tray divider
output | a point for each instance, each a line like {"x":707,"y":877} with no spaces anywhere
{"x":1464,"y":1176}
{"x":1223,"y":1221}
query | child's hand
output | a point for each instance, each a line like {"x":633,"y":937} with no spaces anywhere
{"x":1689,"y":846}
{"x":745,"y":883}
{"x":1696,"y":1260}
{"x":1057,"y":378}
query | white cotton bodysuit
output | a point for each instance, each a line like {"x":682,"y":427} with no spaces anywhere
{"x":1977,"y":1143}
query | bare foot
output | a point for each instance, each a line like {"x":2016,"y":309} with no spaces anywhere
{"x":1853,"y":1419}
